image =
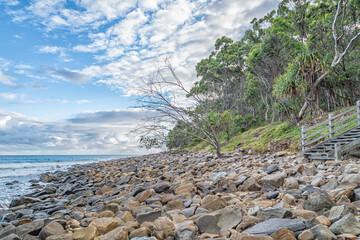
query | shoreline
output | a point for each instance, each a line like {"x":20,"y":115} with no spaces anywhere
{"x":190,"y":196}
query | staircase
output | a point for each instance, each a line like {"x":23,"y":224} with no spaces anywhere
{"x":333,"y":138}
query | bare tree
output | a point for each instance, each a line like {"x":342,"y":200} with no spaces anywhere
{"x":165,"y":96}
{"x":313,"y":94}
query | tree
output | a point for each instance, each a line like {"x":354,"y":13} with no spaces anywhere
{"x":164,"y":95}
{"x":339,"y":32}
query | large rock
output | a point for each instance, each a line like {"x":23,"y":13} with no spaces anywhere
{"x":207,"y":223}
{"x":148,"y":216}
{"x":141,"y":197}
{"x":185,"y":233}
{"x":88,"y":233}
{"x":11,"y":237}
{"x":322,"y":232}
{"x":185,"y":188}
{"x":251,"y":184}
{"x":268,"y":227}
{"x":267,"y":213}
{"x":347,"y":224}
{"x":275,"y":179}
{"x":65,"y":236}
{"x":319,"y":202}
{"x":53,"y":228}
{"x":21,"y":230}
{"x":229,"y":218}
{"x":104,"y":225}
{"x":161,"y":187}
{"x":338,"y":212}
{"x":163,"y":228}
{"x":120,"y":233}
{"x":283,"y":234}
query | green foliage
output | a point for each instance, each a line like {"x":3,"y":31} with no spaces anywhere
{"x":269,"y":73}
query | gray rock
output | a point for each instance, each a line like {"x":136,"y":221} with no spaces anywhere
{"x":347,"y":224}
{"x":240,"y":180}
{"x":77,"y":215}
{"x":275,"y":179}
{"x":319,"y":202}
{"x":338,"y":212}
{"x":267,"y":213}
{"x":272,"y":168}
{"x":216,"y":175}
{"x":201,"y":210}
{"x":321,"y":232}
{"x":21,"y":230}
{"x":148,"y":216}
{"x":229,"y":217}
{"x":208,"y":223}
{"x":11,"y":237}
{"x":268,"y":227}
{"x":185,"y":233}
{"x":143,"y":238}
{"x":53,"y":228}
{"x":161,"y":187}
{"x":188,"y":212}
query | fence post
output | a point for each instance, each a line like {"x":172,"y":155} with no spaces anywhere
{"x":337,"y":152}
{"x":358,"y":111}
{"x":331,"y":127}
{"x":303,"y":138}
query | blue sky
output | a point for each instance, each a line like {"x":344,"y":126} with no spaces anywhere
{"x":69,"y":69}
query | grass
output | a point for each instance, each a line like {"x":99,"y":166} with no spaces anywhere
{"x":281,"y":136}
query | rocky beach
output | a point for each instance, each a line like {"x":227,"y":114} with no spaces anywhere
{"x":191,"y":196}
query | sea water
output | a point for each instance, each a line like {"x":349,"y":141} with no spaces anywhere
{"x":18,"y":172}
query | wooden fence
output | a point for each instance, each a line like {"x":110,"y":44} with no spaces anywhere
{"x":333,"y":126}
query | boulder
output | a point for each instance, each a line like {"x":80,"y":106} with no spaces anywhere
{"x":322,"y":232}
{"x":104,"y":225}
{"x":163,"y":228}
{"x":319,"y":202}
{"x":120,"y":233}
{"x":268,"y":227}
{"x":88,"y":233}
{"x":275,"y":179}
{"x":53,"y":228}
{"x":347,"y":224}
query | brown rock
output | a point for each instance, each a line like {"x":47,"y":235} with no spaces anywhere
{"x":185,"y":189}
{"x":289,"y":199}
{"x":104,"y":190}
{"x":215,"y":205}
{"x":141,"y":197}
{"x":53,"y":228}
{"x":106,"y":213}
{"x":246,"y":236}
{"x":72,"y":223}
{"x":175,"y":204}
{"x":127,"y":217}
{"x":140,"y":232}
{"x":247,"y":221}
{"x":120,"y":233}
{"x":88,"y":233}
{"x":163,"y":228}
{"x":208,"y":198}
{"x":324,"y":220}
{"x":306,"y":235}
{"x":167,"y":198}
{"x":283,"y":234}
{"x":67,"y":236}
{"x":104,"y":225}
{"x":347,"y":236}
{"x":305,"y":214}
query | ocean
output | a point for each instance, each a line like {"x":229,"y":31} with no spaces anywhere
{"x":18,"y":173}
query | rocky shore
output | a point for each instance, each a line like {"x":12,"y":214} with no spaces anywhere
{"x":192,"y":196}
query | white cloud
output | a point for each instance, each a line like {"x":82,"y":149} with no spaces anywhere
{"x":82,"y":101}
{"x":105,"y":132}
{"x":6,"y":79}
{"x":8,"y":96}
{"x":51,"y":49}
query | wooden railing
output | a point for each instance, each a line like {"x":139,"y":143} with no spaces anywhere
{"x":333,"y":126}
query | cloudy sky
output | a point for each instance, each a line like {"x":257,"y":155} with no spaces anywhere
{"x":69,"y":68}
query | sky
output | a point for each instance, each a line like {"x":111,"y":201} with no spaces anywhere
{"x":69,"y":69}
